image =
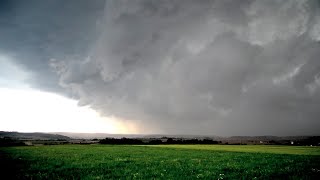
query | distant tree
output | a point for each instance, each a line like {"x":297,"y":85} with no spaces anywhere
{"x":170,"y":141}
{"x":155,"y":141}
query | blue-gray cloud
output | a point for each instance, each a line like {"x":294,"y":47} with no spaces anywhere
{"x":33,"y":32}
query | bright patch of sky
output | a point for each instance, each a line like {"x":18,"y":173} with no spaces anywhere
{"x":35,"y":111}
{"x":11,"y":75}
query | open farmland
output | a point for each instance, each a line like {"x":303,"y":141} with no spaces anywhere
{"x":160,"y":162}
{"x":299,"y":150}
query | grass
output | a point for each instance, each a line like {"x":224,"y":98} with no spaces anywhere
{"x":299,"y":150}
{"x":157,"y":162}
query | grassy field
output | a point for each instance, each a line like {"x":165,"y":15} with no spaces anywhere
{"x":301,"y":150}
{"x":160,"y":162}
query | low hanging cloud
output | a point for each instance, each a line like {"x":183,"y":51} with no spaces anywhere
{"x":212,"y":67}
{"x":201,"y":67}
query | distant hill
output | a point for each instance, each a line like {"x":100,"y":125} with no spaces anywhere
{"x":97,"y":135}
{"x":68,"y":137}
{"x":32,"y":136}
{"x":83,"y":135}
{"x":144,"y":136}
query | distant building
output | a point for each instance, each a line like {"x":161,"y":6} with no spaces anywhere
{"x":28,"y":143}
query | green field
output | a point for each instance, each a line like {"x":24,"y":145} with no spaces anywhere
{"x":160,"y":162}
{"x":301,"y":150}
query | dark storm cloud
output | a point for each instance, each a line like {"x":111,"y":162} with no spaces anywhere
{"x":32,"y":32}
{"x":192,"y":67}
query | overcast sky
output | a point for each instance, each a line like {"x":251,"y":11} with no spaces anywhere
{"x":172,"y":66}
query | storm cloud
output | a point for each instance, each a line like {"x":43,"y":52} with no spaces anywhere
{"x":180,"y":67}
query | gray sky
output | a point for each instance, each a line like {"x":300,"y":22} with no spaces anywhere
{"x":175,"y":66}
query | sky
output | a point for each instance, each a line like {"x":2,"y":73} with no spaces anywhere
{"x":205,"y":67}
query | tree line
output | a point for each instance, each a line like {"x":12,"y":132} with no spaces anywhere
{"x":128,"y":141}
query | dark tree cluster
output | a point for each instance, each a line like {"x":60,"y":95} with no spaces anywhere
{"x":157,"y":141}
{"x":7,"y":141}
{"x":314,"y":141}
{"x":191,"y":141}
{"x":120,"y":141}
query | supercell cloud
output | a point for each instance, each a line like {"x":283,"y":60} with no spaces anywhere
{"x":176,"y":66}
